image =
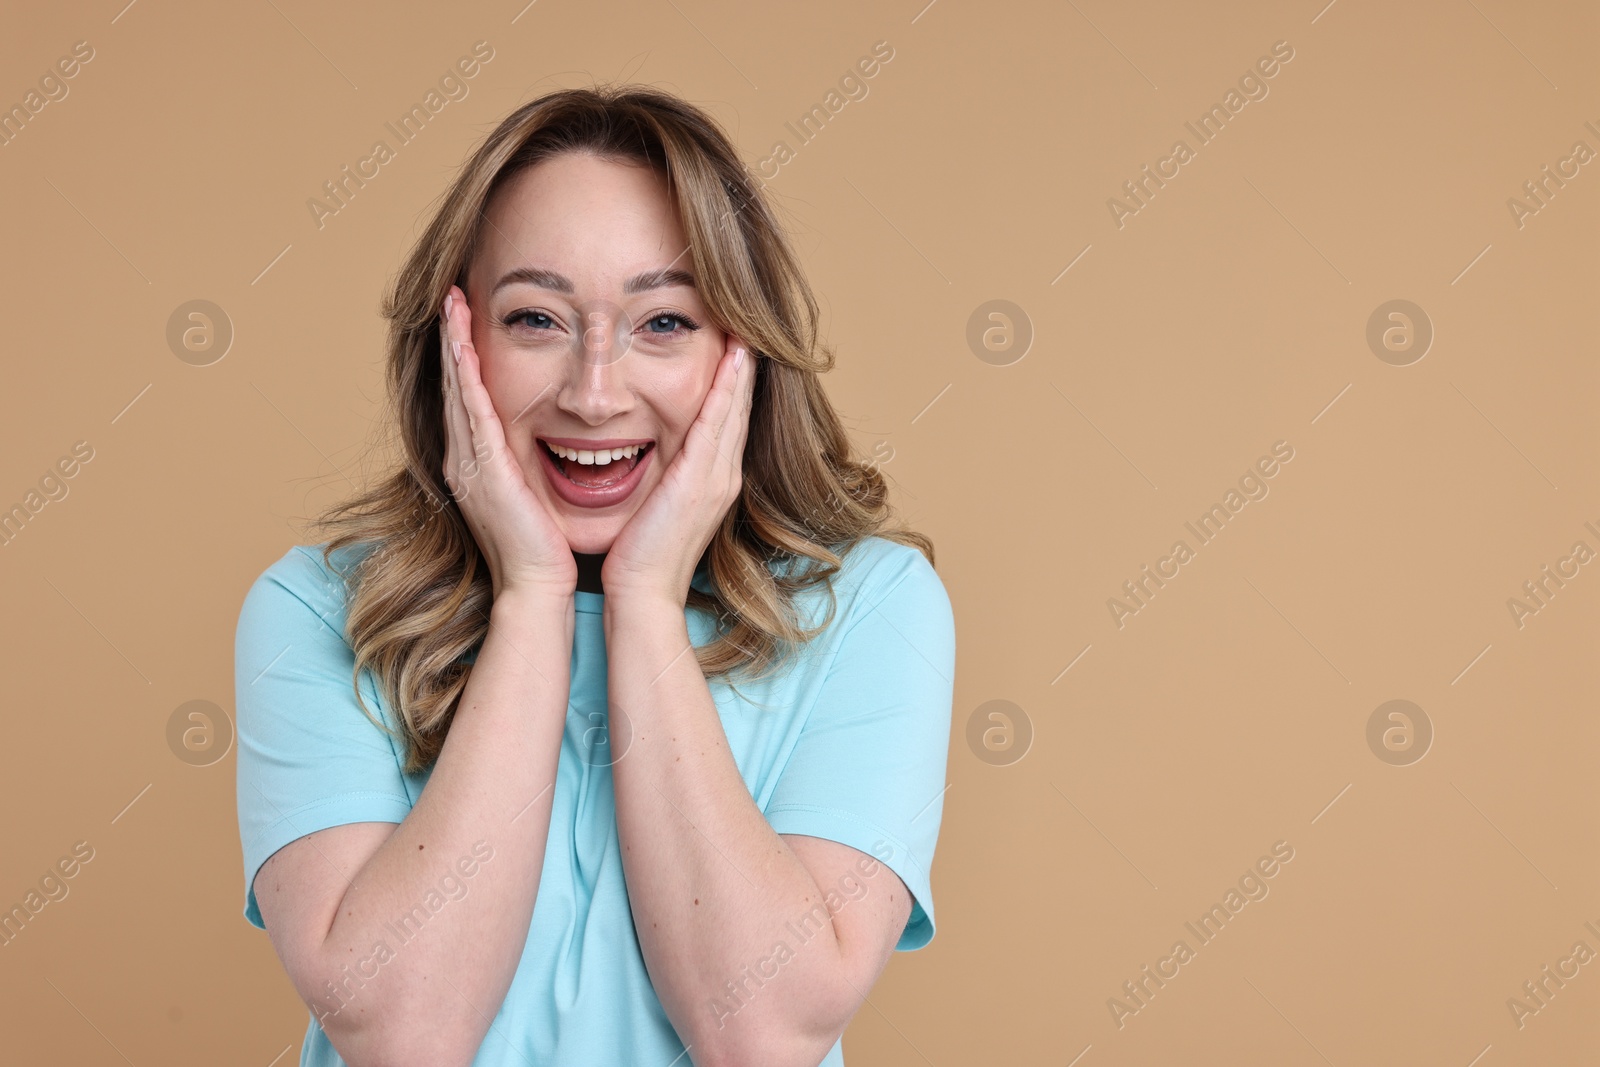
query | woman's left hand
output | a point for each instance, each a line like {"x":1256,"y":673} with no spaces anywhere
{"x":655,"y":555}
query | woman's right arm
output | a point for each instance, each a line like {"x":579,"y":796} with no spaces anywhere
{"x":333,"y":900}
{"x":329,"y":899}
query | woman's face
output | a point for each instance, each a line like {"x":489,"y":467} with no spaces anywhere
{"x":591,"y":334}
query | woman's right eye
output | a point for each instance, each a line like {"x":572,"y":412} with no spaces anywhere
{"x":533,"y":320}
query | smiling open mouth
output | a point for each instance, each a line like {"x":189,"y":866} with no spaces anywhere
{"x":599,"y":468}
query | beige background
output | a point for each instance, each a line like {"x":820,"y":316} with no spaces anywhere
{"x":1228,"y":314}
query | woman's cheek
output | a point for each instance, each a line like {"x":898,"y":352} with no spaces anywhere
{"x":697,"y":383}
{"x":673,"y":392}
{"x":509,"y":390}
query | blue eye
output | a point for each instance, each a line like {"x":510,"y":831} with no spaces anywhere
{"x":665,"y":324}
{"x":670,"y":320}
{"x":543,"y":321}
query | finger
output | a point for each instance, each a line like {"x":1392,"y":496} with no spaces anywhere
{"x":741,"y":423}
{"x":737,"y":418}
{"x":750,"y":366}
{"x":747,"y":389}
{"x":725,"y":396}
{"x":458,"y":332}
{"x":447,"y":394}
{"x":455,"y":435}
{"x":488,"y":439}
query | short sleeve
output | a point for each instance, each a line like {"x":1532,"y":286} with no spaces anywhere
{"x":868,"y":769}
{"x":309,"y":757}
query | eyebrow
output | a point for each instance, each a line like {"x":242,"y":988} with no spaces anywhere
{"x":662,"y":278}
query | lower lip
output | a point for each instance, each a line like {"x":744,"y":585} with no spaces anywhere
{"x":583,"y":496}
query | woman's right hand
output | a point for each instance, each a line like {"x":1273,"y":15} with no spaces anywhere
{"x":515,"y":532}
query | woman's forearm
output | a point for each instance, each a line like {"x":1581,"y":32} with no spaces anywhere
{"x":711,"y":885}
{"x":448,"y":966}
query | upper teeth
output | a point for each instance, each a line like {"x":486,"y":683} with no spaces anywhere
{"x":603,"y":455}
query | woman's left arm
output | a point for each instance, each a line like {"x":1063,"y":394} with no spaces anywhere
{"x":748,"y":960}
{"x":749,"y":964}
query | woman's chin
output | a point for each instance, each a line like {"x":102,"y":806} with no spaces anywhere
{"x":591,"y":538}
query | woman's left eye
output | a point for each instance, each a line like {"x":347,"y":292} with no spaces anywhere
{"x":667,"y":322}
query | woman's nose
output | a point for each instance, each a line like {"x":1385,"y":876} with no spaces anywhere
{"x":602,"y":337}
{"x":596,"y":387}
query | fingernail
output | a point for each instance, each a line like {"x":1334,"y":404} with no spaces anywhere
{"x":455,"y":350}
{"x":738,"y":358}
{"x":449,"y":298}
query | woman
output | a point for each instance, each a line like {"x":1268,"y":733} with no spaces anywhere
{"x":492,"y":810}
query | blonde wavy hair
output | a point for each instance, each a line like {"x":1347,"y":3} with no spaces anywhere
{"x":418,"y":600}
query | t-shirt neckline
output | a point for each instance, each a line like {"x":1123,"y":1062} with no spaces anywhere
{"x":595,"y":603}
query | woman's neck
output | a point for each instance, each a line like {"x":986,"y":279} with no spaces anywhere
{"x":589,"y":572}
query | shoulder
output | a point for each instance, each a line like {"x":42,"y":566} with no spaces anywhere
{"x":302,"y":578}
{"x":292,"y":651}
{"x":878,"y":575}
{"x":876,"y":564}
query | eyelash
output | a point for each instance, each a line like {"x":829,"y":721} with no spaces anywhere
{"x":688,"y":325}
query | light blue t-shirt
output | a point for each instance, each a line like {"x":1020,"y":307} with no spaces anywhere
{"x":848,"y":744}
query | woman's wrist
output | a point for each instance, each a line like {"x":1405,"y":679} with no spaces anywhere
{"x":643,"y":606}
{"x":525,"y":601}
